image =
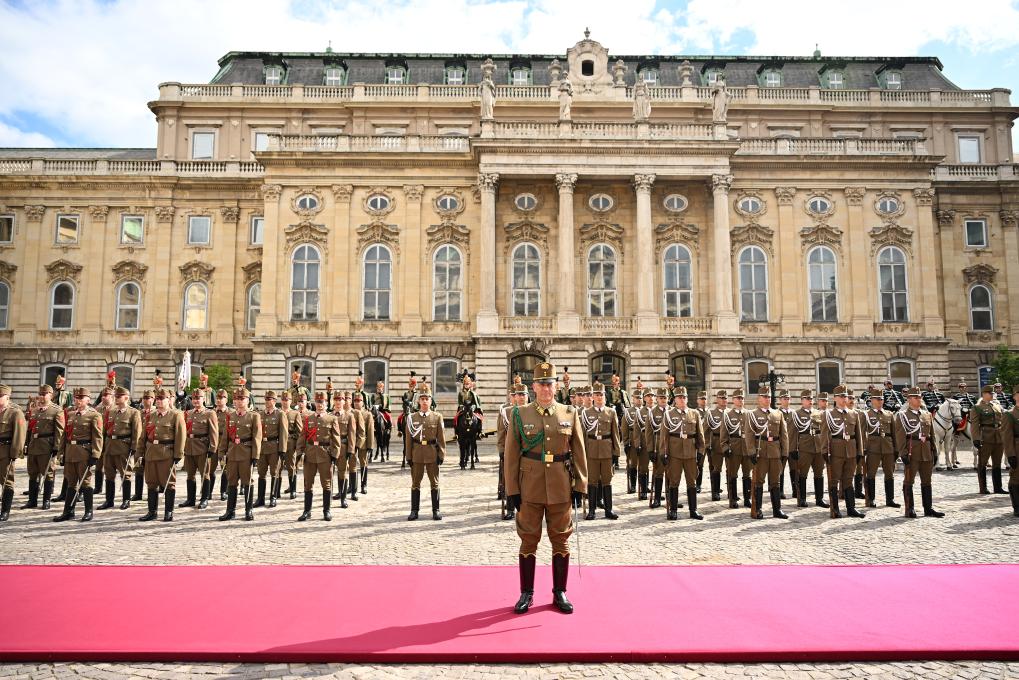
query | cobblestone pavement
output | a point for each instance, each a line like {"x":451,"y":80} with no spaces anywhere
{"x":375,"y":531}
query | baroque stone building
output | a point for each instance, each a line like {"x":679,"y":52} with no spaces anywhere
{"x":838,"y":219}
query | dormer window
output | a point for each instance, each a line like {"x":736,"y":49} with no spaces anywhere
{"x":334,"y":76}
{"x":274,"y":75}
{"x":713,"y":76}
{"x":456,"y":75}
{"x":520,"y":75}
{"x":892,"y":80}
{"x":771,"y":78}
{"x":649,"y":76}
{"x":835,"y":80}
{"x":396,"y":75}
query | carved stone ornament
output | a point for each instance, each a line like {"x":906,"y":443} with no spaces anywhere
{"x":751,"y":234}
{"x":488,"y":181}
{"x":34,"y":213}
{"x":271,"y":192}
{"x":894,"y":195}
{"x":643,"y":182}
{"x":821,"y":234}
{"x":63,"y":270}
{"x":342,"y":192}
{"x":379,"y":232}
{"x":376,"y":212}
{"x":924,"y":196}
{"x":7,"y":271}
{"x":819,"y":216}
{"x":447,"y":214}
{"x":946,"y":218}
{"x":252,"y":272}
{"x":129,"y":269}
{"x":526,"y":230}
{"x":721,"y":183}
{"x":413,"y":192}
{"x":99,"y":212}
{"x":979,"y":273}
{"x":601,"y":232}
{"x":1009,"y":218}
{"x":891,"y":234}
{"x":196,"y":271}
{"x":307,"y":212}
{"x":164,"y":213}
{"x":230,"y":213}
{"x":747,"y":215}
{"x":855,"y":195}
{"x":677,"y":231}
{"x":305,"y":231}
{"x":448,"y":232}
{"x":566,"y":181}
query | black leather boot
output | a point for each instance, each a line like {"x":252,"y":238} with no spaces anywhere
{"x":996,"y":480}
{"x":326,"y":500}
{"x":746,"y":492}
{"x":907,"y":499}
{"x":833,"y":499}
{"x":656,"y":502}
{"x":776,"y":505}
{"x":436,"y":515}
{"x":248,"y":498}
{"x":819,"y":492}
{"x":592,"y":502}
{"x":260,"y":502}
{"x":47,"y":491}
{"x":292,"y":482}
{"x":189,"y":502}
{"x":794,"y":479}
{"x":801,"y":492}
{"x":306,"y":515}
{"x":700,"y":476}
{"x":870,"y":489}
{"x":68,"y":512}
{"x":341,"y":482}
{"x":125,"y":494}
{"x":851,"y":510}
{"x":153,"y":500}
{"x":526,"y":568}
{"x":231,"y":505}
{"x":858,"y":485}
{"x":691,"y":500}
{"x":100,"y":477}
{"x":6,"y":500}
{"x":203,"y":502}
{"x":781,"y":485}
{"x":631,"y":480}
{"x":110,"y":491}
{"x":607,"y":497}
{"x":352,"y":485}
{"x":927,"y":494}
{"x":730,"y":486}
{"x":982,"y":480}
{"x":277,"y":484}
{"x":168,"y":498}
{"x":641,"y":486}
{"x":87,"y":496}
{"x":364,"y":480}
{"x":1013,"y":491}
{"x":222,"y":484}
{"x":716,"y":486}
{"x":139,"y":482}
{"x":596,"y":500}
{"x":62,"y":496}
{"x":33,"y":495}
{"x":759,"y":498}
{"x":415,"y":504}
{"x":671,"y":503}
{"x":510,"y":513}
{"x":890,"y":493}
{"x":560,"y":570}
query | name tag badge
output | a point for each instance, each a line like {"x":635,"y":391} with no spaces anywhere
{"x":564,"y":424}
{"x":922,"y":437}
{"x":237,"y":440}
{"x":845,"y":435}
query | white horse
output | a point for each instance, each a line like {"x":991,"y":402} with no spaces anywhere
{"x":947,"y":419}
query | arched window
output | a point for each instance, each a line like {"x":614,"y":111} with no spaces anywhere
{"x":601,"y":280}
{"x":374,"y":370}
{"x":50,"y":373}
{"x":523,"y":365}
{"x":821,"y":284}
{"x":688,"y":370}
{"x":901,"y":373}
{"x":378,"y":275}
{"x":753,"y":284}
{"x":447,"y":284}
{"x":445,"y":371}
{"x":254,"y":305}
{"x":124,"y":373}
{"x":62,"y":306}
{"x":981,"y":314}
{"x":891,"y":266}
{"x":304,"y":284}
{"x":5,"y":304}
{"x":196,"y":307}
{"x":755,"y":371}
{"x":678,"y":281}
{"x":829,"y":375}
{"x":604,"y":365}
{"x":305,"y":368}
{"x":129,"y":306}
{"x":526,"y":280}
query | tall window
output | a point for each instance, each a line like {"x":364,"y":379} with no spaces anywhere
{"x":333,"y":76}
{"x":5,"y":304}
{"x":132,"y":229}
{"x":374,"y":370}
{"x":395,"y":75}
{"x":124,"y":373}
{"x":891,"y":264}
{"x":447,"y":284}
{"x":202,"y":145}
{"x":523,"y":365}
{"x":829,"y":375}
{"x":304,"y":284}
{"x":257,"y":234}
{"x":893,"y":80}
{"x":981,"y":314}
{"x":62,"y":306}
{"x":445,"y":371}
{"x":601,"y":280}
{"x":604,"y":365}
{"x":6,"y":228}
{"x":196,"y":307}
{"x":254,"y":305}
{"x":753,"y":284}
{"x":50,"y":373}
{"x":772,"y":79}
{"x":969,"y":149}
{"x":821,"y":280}
{"x":67,"y":229}
{"x":129,"y":306}
{"x":976,"y":233}
{"x":526,"y":277}
{"x":378,"y":273}
{"x":755,"y":372}
{"x":520,"y":76}
{"x":689,"y":372}
{"x":901,"y":373}
{"x":305,"y":368}
{"x":260,"y":141}
{"x":678,"y":281}
{"x":273,"y":75}
{"x":199,"y":230}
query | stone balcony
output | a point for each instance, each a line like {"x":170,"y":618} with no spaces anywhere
{"x":604,"y":326}
{"x":975,"y":172}
{"x":832,"y":146}
{"x":89,"y":166}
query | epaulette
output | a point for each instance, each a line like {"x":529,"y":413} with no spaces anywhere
{"x":569,"y":408}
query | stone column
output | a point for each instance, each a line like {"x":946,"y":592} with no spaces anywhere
{"x":488,"y":317}
{"x":568,"y":319}
{"x":1009,"y":223}
{"x":274,"y":304}
{"x":413,"y":262}
{"x":727,"y":323}
{"x":856,"y":292}
{"x":932,"y":320}
{"x":787,"y":279}
{"x":647,"y":315}
{"x":342,"y":296}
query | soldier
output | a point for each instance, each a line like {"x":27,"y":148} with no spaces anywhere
{"x":737,"y":458}
{"x":359,"y":388}
{"x":603,"y":447}
{"x":275,"y":437}
{"x":297,"y":390}
{"x":145,"y":413}
{"x":427,"y":450}
{"x":45,"y":436}
{"x":165,"y":436}
{"x":670,"y":386}
{"x":122,"y":441}
{"x":681,"y":445}
{"x":243,"y":449}
{"x":1004,"y":400}
{"x":104,"y":408}
{"x":985,"y":429}
{"x":616,"y":397}
{"x":702,"y":409}
{"x":62,"y":397}
{"x":783,"y":406}
{"x":966,"y":400}
{"x":13,"y":430}
{"x":891,"y":399}
{"x":656,"y":456}
{"x":843,"y":440}
{"x":859,"y":472}
{"x":932,"y":398}
{"x":545,"y":475}
{"x":349,"y":423}
{"x":222,"y":409}
{"x":83,"y":440}
{"x":379,"y":399}
{"x":563,"y":393}
{"x":767,"y":440}
{"x":822,"y":401}
{"x":807,"y":451}
{"x":320,"y":444}
{"x":407,"y":405}
{"x":645,"y":444}
{"x":202,"y":427}
{"x":879,"y":451}
{"x":1010,"y":435}
{"x":912,"y":429}
{"x":716,"y":441}
{"x":365,"y":441}
{"x":380,"y":403}
{"x":517,"y":398}
{"x":632,"y":438}
{"x":295,"y":421}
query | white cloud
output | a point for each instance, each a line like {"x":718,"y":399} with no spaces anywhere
{"x":12,"y":136}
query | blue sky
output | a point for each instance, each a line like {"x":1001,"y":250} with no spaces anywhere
{"x":79,"y":72}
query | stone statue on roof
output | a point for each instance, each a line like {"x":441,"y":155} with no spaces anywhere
{"x":720,"y":99}
{"x":487,"y":91}
{"x":565,"y":98}
{"x":641,"y":101}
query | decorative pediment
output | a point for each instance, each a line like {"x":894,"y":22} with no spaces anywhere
{"x":7,"y":271}
{"x":271,"y":192}
{"x":821,"y":235}
{"x":891,"y":234}
{"x":751,"y":234}
{"x":447,"y":232}
{"x":526,"y":231}
{"x":307,"y":212}
{"x":164,"y":213}
{"x":63,"y":270}
{"x":196,"y":271}
{"x":677,"y":231}
{"x":601,"y":232}
{"x":252,"y":272}
{"x":307,"y":231}
{"x":379,"y":232}
{"x":34,"y":213}
{"x":230,"y":213}
{"x":129,"y":269}
{"x":979,"y":273}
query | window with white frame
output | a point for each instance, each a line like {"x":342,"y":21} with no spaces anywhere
{"x":893,"y":80}
{"x":836,"y":80}
{"x":374,"y":370}
{"x":771,"y":78}
{"x":396,"y":75}
{"x":888,"y":205}
{"x":124,"y":375}
{"x":260,"y":141}
{"x":520,"y":76}
{"x":675,"y":203}
{"x":445,"y":371}
{"x":378,"y":274}
{"x":62,"y":306}
{"x":981,"y":312}
{"x":976,"y":233}
{"x":649,"y":76}
{"x":600,"y":202}
{"x":203,"y":144}
{"x":753,"y":284}
{"x":50,"y":373}
{"x":526,"y":280}
{"x":132,"y":230}
{"x":196,"y":306}
{"x":756,"y":370}
{"x":678,"y":279}
{"x":6,"y":228}
{"x":900,"y":372}
{"x":67,"y":228}
{"x":256,"y":236}
{"x":821,"y":276}
{"x":969,"y":149}
{"x":378,"y":202}
{"x":333,"y":76}
{"x":819,"y":205}
{"x":525,"y":202}
{"x":304,"y":283}
{"x":306,"y":202}
{"x":247,"y":373}
{"x":253,"y":305}
{"x":891,"y":264}
{"x":447,"y":284}
{"x":601,"y":280}
{"x":129,"y":306}
{"x":713,"y":77}
{"x":199,"y":230}
{"x":5,"y":304}
{"x":456,"y":75}
{"x":829,"y":375}
{"x":305,"y":369}
{"x":273,"y":75}
{"x":750,"y":205}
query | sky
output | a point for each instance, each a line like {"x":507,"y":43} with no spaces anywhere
{"x":78,"y":73}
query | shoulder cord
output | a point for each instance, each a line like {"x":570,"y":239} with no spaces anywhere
{"x":757,"y":427}
{"x":713,"y":422}
{"x":672,"y":425}
{"x":733,"y":428}
{"x":873,"y":426}
{"x":834,"y":429}
{"x":909,"y":428}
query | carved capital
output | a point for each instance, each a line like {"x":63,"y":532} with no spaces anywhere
{"x":196,"y":271}
{"x":271,"y":192}
{"x":565,"y":182}
{"x":34,"y":213}
{"x":924,"y":196}
{"x":99,"y":212}
{"x":643,"y":182}
{"x":230,"y":213}
{"x":164,"y":213}
{"x":854,"y":195}
{"x":63,"y":269}
{"x":342,"y":192}
{"x":1009,"y":218}
{"x":946,"y":218}
{"x":129,"y":269}
{"x":488,"y":181}
{"x":785,"y":195}
{"x":721,"y":183}
{"x":979,"y":273}
{"x":413,"y":192}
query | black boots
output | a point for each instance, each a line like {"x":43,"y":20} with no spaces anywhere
{"x":996,"y":479}
{"x":436,"y":515}
{"x":139,"y":482}
{"x":982,"y":479}
{"x":231,"y":504}
{"x":275,"y":483}
{"x":206,"y":494}
{"x":33,"y":495}
{"x":691,"y":500}
{"x":1013,"y":492}
{"x":168,"y":497}
{"x":592,"y":501}
{"x":631,"y":480}
{"x":222,"y":484}
{"x":292,"y":481}
{"x":833,"y":499}
{"x":352,"y":485}
{"x":851,"y":510}
{"x":248,"y":498}
{"x":870,"y":490}
{"x":364,"y":479}
{"x":62,"y":497}
{"x":642,"y":486}
{"x":326,"y":500}
{"x":192,"y":486}
{"x":99,"y":475}
{"x":68,"y":512}
{"x":306,"y":515}
{"x":111,"y":491}
{"x":526,"y":567}
{"x":6,"y":500}
{"x":759,"y":500}
{"x":716,"y":486}
{"x":560,"y":569}
{"x":260,"y":502}
{"x":656,"y":500}
{"x":819,"y":492}
{"x":801,"y":492}
{"x":733,"y":497}
{"x":87,"y":498}
{"x":746,"y":492}
{"x":415,"y":504}
{"x":125,"y":493}
{"x":890,"y":493}
{"x":341,"y":482}
{"x":776,"y":505}
{"x":47,"y":491}
{"x":153,"y":501}
{"x":671,"y":503}
{"x":907,"y":498}
{"x":607,"y":498}
{"x":858,"y":485}
{"x":927,"y":494}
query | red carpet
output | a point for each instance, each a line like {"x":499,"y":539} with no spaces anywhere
{"x":457,"y":614}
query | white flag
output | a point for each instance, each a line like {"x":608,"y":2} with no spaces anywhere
{"x":184,"y":377}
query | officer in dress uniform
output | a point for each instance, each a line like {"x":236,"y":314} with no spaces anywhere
{"x":632,"y":438}
{"x":517,"y":398}
{"x":891,"y":399}
{"x":737,"y":457}
{"x":13,"y":430}
{"x":716,"y":441}
{"x":808,"y":450}
{"x":616,"y":397}
{"x":208,"y":394}
{"x":985,"y":426}
{"x":358,"y":390}
{"x":545,"y":476}
{"x":427,"y":450}
{"x":165,"y":436}
{"x":222,"y":409}
{"x":202,"y":427}
{"x":842,"y":435}
{"x":122,"y":440}
{"x":297,"y":390}
{"x":365,"y":441}
{"x":45,"y":437}
{"x":783,"y":406}
{"x":858,"y":474}
{"x":275,"y":438}
{"x":62,"y":396}
{"x":681,"y":444}
{"x":83,"y":440}
{"x":965,"y":398}
{"x":912,"y":429}
{"x":1010,"y":437}
{"x":243,"y":448}
{"x":670,"y":386}
{"x":879,"y":450}
{"x":321,"y":446}
{"x":105,"y":405}
{"x":932,"y":398}
{"x":294,"y":424}
{"x":767,"y":441}
{"x":654,"y":426}
{"x":407,"y":405}
{"x":145,"y":413}
{"x":702,"y":410}
{"x":350,"y":425}
{"x":603,"y":446}
{"x":563,"y":392}
{"x":1004,"y":399}
{"x":646,"y":445}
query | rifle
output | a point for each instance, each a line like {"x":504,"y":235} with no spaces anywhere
{"x":832,"y":490}
{"x":753,"y":473}
{"x":502,"y":485}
